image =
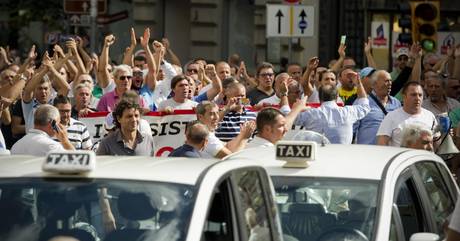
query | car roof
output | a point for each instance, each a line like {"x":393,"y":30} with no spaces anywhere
{"x":176,"y":170}
{"x":335,"y":161}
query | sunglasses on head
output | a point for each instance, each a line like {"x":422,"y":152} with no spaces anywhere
{"x":124,"y":77}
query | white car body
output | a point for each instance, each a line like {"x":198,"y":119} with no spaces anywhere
{"x":357,"y":162}
{"x":205,"y":176}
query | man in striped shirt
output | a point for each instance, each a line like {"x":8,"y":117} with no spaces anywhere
{"x":234,"y":114}
{"x":76,"y":131}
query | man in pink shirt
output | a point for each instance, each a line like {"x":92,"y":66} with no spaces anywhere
{"x":122,"y":75}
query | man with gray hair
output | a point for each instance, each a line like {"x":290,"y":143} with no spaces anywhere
{"x":38,"y":142}
{"x":417,"y":136}
{"x":196,"y":139}
{"x":437,"y":102}
{"x":381,"y":103}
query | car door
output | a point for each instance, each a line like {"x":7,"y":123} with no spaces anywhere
{"x":440,"y":190}
{"x":255,"y":206}
{"x":408,"y":216}
{"x":242,"y":208}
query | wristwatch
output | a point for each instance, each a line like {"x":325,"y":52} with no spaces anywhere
{"x":284,"y":94}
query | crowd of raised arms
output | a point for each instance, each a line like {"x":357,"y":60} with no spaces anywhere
{"x":45,"y":99}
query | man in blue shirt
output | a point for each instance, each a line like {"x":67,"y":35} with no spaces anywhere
{"x":196,"y":139}
{"x":380,"y":103}
{"x":335,"y":122}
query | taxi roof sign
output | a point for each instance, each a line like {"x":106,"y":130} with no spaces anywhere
{"x":296,"y":153}
{"x":70,"y":162}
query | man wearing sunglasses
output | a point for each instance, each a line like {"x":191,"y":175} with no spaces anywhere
{"x":123,"y":76}
{"x":264,"y":89}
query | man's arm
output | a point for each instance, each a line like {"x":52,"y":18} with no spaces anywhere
{"x":456,"y":72}
{"x":151,"y":78}
{"x":239,"y":142}
{"x":33,"y":83}
{"x":16,"y":127}
{"x":128,"y":56}
{"x":103,"y":75}
{"x":416,"y":55}
{"x":72,"y":47}
{"x":61,"y":85}
{"x":159,"y":50}
{"x":169,"y":54}
{"x":338,"y":65}
{"x":305,"y":81}
{"x":215,"y":81}
{"x":61,"y":135}
{"x":367,"y":51}
{"x":383,"y":140}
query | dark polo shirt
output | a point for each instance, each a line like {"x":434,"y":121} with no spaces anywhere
{"x":113,"y":144}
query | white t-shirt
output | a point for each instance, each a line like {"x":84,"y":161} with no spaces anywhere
{"x":36,"y":143}
{"x":188,"y":104}
{"x":455,"y":219}
{"x":258,"y":142}
{"x":214,"y":145}
{"x":272,"y":100}
{"x":394,"y":122}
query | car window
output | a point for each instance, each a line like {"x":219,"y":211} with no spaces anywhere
{"x":93,"y":210}
{"x":409,"y":207}
{"x":219,"y":223}
{"x":329,"y":209}
{"x":441,"y":201}
{"x":252,"y":203}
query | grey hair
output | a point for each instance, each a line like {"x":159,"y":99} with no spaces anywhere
{"x":375,"y":76}
{"x":122,"y":67}
{"x":412,"y":132}
{"x":45,"y":114}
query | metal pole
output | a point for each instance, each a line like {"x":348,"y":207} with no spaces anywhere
{"x":93,"y":16}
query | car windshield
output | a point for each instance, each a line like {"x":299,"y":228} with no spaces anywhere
{"x":320,"y":209}
{"x":94,"y":210}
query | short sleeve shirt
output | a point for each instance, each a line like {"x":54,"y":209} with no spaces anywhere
{"x":113,"y":144}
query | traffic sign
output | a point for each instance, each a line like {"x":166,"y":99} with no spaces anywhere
{"x":290,"y":20}
{"x":83,"y":6}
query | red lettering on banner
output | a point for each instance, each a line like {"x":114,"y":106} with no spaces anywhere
{"x":164,"y":149}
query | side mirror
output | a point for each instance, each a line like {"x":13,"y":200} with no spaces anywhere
{"x":424,"y":237}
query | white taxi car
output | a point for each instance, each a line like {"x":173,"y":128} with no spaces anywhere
{"x":357,"y":192}
{"x":134,"y":198}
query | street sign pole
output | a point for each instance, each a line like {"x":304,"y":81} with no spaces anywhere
{"x":93,"y":15}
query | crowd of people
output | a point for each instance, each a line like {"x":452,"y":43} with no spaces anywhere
{"x":42,"y":99}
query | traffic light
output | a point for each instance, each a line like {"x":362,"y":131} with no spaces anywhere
{"x":425,"y":19}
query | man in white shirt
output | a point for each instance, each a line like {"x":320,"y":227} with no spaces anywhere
{"x":389,"y":133}
{"x":180,"y":87}
{"x":208,"y":114}
{"x":38,"y":141}
{"x":272,"y":124}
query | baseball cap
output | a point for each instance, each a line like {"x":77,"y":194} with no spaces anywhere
{"x":366,"y":72}
{"x":402,"y":51}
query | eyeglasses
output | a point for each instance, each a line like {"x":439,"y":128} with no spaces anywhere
{"x":124,"y":77}
{"x":137,"y":73}
{"x":192,"y":70}
{"x":267,"y":74}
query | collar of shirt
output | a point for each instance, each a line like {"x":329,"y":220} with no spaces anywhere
{"x":331,"y":103}
{"x":119,"y":139}
{"x":146,"y":89}
{"x":38,"y":132}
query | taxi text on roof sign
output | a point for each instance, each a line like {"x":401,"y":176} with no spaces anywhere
{"x":296,"y":153}
{"x":70,"y":162}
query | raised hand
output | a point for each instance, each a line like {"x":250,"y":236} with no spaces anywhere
{"x":341,"y":50}
{"x":165,"y":42}
{"x":368,"y":45}
{"x":109,"y":40}
{"x":133,"y":38}
{"x":145,"y":38}
{"x":313,"y":63}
